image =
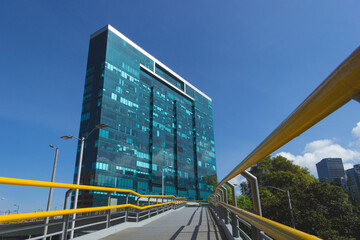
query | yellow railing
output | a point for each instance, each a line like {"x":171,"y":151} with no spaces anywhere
{"x":33,"y":183}
{"x":337,"y":89}
{"x":272,"y":228}
{"x":20,"y":216}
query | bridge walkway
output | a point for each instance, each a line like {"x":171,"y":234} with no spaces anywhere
{"x":188,"y":223}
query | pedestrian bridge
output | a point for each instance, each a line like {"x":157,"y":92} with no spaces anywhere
{"x":167,"y":217}
{"x":185,"y":223}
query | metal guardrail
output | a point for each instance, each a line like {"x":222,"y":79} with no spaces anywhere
{"x":341,"y":86}
{"x":34,"y":183}
{"x":337,"y":89}
{"x":274,"y":229}
{"x":103,"y":212}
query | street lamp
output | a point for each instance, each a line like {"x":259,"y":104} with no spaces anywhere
{"x":82,"y":139}
{"x":162,"y":182}
{"x":51,"y":189}
{"x":289,"y":200}
{"x":17,"y":205}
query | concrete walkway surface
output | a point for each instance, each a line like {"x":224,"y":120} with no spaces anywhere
{"x":188,"y":223}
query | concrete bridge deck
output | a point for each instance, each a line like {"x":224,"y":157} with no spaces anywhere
{"x":188,"y":223}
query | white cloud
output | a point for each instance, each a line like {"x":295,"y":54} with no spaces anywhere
{"x":356,"y":130}
{"x":326,"y":148}
{"x":348,"y":165}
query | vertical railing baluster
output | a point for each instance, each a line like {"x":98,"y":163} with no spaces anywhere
{"x":137,"y":210}
{"x":66,"y":217}
{"x":108,"y":212}
{"x":127,"y":209}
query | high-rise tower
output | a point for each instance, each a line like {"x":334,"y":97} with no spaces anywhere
{"x":331,"y":168}
{"x":157,"y":119}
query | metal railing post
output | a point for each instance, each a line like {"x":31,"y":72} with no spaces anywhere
{"x":234,"y":221}
{"x":216,"y":208}
{"x":127,"y":209}
{"x":256,"y":200}
{"x":149,"y":211}
{"x":226,"y":213}
{"x":254,"y":191}
{"x":66,"y":217}
{"x":137,"y":210}
{"x":65,"y":227}
{"x":157,"y":207}
{"x":220,"y":210}
{"x":108,"y":212}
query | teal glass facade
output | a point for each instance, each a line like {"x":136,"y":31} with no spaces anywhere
{"x":156,"y":120}
{"x":353,"y":182}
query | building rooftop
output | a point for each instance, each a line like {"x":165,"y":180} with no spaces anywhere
{"x":112,"y":29}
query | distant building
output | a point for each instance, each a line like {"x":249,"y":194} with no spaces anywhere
{"x":332,"y":169}
{"x":158,"y":122}
{"x":353,"y":182}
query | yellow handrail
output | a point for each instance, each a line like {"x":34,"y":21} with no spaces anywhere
{"x":34,"y":183}
{"x":20,"y":216}
{"x":272,"y":228}
{"x":337,"y":89}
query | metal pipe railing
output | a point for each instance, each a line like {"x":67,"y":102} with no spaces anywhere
{"x":337,"y":89}
{"x":24,"y":182}
{"x":273,"y":229}
{"x":342,"y":85}
{"x":20,"y":216}
{"x":34,"y":183}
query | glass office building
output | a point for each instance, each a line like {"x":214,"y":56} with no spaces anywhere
{"x":157,"y":119}
{"x":331,"y":169}
{"x":353,"y":182}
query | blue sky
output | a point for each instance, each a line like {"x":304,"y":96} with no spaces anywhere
{"x":257,"y":60}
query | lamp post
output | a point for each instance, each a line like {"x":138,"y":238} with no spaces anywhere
{"x":289,"y":200}
{"x":51,"y":189}
{"x":82,"y":140}
{"x":162,"y":182}
{"x":17,"y":205}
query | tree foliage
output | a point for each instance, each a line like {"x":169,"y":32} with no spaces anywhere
{"x":211,"y":180}
{"x":319,"y":208}
{"x":244,"y":202}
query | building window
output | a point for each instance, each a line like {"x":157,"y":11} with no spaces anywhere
{"x":102,"y":166}
{"x":85,"y":116}
{"x":142,"y":164}
{"x":113,"y":96}
{"x":104,"y":133}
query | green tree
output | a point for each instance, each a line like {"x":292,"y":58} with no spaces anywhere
{"x":229,"y":194}
{"x":211,"y":180}
{"x":244,"y":202}
{"x":319,"y":208}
